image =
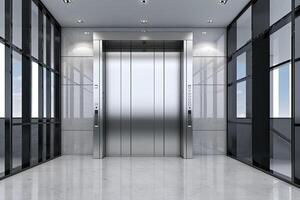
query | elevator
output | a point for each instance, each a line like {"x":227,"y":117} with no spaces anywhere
{"x":142,"y":94}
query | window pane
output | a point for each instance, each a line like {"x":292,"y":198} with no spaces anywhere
{"x":2,"y":18}
{"x":52,"y":142}
{"x":244,"y":28}
{"x":17,"y":85}
{"x":244,"y":142}
{"x":52,"y":46}
{"x":280,"y":45}
{"x":280,"y":92}
{"x":16,"y":146}
{"x":17,"y":23}
{"x":2,"y":80}
{"x":241,"y":66}
{"x":241,"y":100}
{"x":34,"y":90}
{"x":2,"y":146}
{"x":34,"y":144}
{"x":45,"y":39}
{"x":278,"y":9}
{"x":297,"y":92}
{"x":45,"y":92}
{"x":297,"y":3}
{"x":52,"y":95}
{"x":280,"y":158}
{"x":297,"y":37}
{"x":34,"y":30}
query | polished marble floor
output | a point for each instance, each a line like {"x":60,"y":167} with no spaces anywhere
{"x":202,"y":178}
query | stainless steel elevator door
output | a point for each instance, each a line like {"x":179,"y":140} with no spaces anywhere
{"x":143,"y":103}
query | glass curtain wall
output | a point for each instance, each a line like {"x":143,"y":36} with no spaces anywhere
{"x":239,"y":88}
{"x":28,"y":109}
{"x":265,"y":56}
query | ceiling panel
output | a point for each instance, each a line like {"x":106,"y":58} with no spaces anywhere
{"x":159,"y":13}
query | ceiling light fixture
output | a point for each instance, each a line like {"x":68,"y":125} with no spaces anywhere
{"x":144,"y":2}
{"x":223,"y":2}
{"x":210,"y":21}
{"x":204,"y":33}
{"x":79,"y":21}
{"x":144,"y":21}
{"x":86,"y":33}
{"x":67,"y":1}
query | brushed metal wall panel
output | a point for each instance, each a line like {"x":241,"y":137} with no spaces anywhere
{"x":113,"y":103}
{"x":172,"y":103}
{"x":142,"y":103}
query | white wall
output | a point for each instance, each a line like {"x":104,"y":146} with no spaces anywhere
{"x":209,"y":89}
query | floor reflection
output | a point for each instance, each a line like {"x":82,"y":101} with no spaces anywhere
{"x":81,"y":177}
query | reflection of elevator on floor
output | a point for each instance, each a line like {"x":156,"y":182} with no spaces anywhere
{"x":142,"y":94}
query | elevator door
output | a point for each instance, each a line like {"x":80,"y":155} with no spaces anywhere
{"x":142,"y":103}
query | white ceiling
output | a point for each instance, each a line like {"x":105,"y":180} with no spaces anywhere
{"x":160,"y":13}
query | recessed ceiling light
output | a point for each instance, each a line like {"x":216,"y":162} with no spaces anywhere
{"x":79,"y":21}
{"x":86,"y":33}
{"x":223,"y":2}
{"x":67,"y":1}
{"x":144,"y":2}
{"x":210,"y":21}
{"x":144,"y":21}
{"x":204,"y":33}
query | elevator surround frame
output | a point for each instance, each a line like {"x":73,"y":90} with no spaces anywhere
{"x":186,"y":85}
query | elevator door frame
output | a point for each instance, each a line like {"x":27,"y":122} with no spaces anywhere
{"x":186,"y":92}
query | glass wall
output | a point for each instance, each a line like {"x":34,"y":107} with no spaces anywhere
{"x":281,"y":100}
{"x":263,"y":89}
{"x":24,"y":92}
{"x":239,"y":89}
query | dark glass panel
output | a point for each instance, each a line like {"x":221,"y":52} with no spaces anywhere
{"x":231,"y":102}
{"x":232,"y":40}
{"x":280,"y":148}
{"x":231,"y":139}
{"x":52,"y":141}
{"x":16,"y":146}
{"x":244,"y":142}
{"x":2,"y":147}
{"x":297,"y":37}
{"x":297,"y":92}
{"x":297,"y":154}
{"x":17,"y":22}
{"x":44,"y":141}
{"x":34,"y":144}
